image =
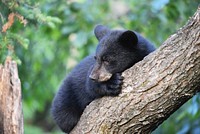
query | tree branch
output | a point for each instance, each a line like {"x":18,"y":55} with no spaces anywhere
{"x":153,"y":88}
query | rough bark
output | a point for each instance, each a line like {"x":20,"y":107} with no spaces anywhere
{"x":11,"y":117}
{"x":153,"y":88}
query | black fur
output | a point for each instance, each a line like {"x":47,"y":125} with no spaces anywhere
{"x":99,"y":75}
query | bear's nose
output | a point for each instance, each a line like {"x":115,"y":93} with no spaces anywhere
{"x":93,"y":76}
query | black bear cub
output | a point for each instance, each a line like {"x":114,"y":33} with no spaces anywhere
{"x":98,"y":75}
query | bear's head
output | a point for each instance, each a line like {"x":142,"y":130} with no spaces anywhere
{"x":117,"y":50}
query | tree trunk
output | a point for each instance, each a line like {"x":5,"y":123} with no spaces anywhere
{"x":153,"y":89}
{"x":11,"y":117}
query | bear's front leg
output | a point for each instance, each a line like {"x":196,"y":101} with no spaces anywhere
{"x":112,"y":87}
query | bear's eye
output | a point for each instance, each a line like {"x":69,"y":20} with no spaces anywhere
{"x":95,"y":57}
{"x":105,"y":60}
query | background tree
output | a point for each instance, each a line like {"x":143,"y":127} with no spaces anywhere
{"x":53,"y":45}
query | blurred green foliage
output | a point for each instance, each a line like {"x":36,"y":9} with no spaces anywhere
{"x":60,"y":33}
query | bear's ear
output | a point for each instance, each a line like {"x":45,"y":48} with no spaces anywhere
{"x":100,"y":31}
{"x":128,"y":38}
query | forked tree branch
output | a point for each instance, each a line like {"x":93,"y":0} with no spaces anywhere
{"x":153,"y":88}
